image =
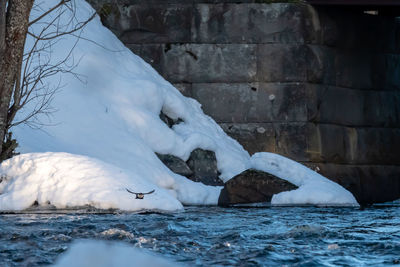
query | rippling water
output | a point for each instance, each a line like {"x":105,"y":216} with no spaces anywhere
{"x":305,"y":236}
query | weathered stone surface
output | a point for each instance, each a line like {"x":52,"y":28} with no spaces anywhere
{"x":175,"y":164}
{"x":151,"y":53}
{"x":353,"y":69}
{"x":252,"y":102}
{"x":331,"y":66}
{"x":350,"y":30}
{"x":254,"y":137}
{"x":252,"y":23}
{"x":287,"y":139}
{"x":203,"y":163}
{"x":309,"y":142}
{"x":209,"y":62}
{"x":357,"y":69}
{"x":295,"y":63}
{"x":297,"y":102}
{"x":382,"y":109}
{"x":385,"y":69}
{"x":184,"y":88}
{"x":321,"y":64}
{"x":157,"y":23}
{"x":315,"y":64}
{"x":148,"y":23}
{"x":350,"y":107}
{"x":252,"y":186}
{"x":337,"y":144}
{"x":281,"y":63}
{"x":369,"y":184}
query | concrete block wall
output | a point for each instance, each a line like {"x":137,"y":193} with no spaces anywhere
{"x":320,"y":86}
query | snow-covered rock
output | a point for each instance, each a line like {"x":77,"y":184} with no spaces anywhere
{"x":313,"y":187}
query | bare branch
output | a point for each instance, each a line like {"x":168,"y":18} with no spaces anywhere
{"x":33,"y":90}
{"x":56,"y":35}
{"x":62,"y":2}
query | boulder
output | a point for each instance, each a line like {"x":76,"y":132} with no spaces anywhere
{"x":200,"y":167}
{"x":252,"y":186}
{"x":203,"y":163}
{"x":175,"y":164}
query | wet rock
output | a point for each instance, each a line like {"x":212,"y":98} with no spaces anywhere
{"x":203,"y":163}
{"x":252,"y":186}
{"x":175,"y":164}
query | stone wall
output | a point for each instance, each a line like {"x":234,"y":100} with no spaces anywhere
{"x":321,"y":86}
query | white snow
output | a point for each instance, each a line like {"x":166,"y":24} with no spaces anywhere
{"x":107,"y":129}
{"x":313,"y":187}
{"x":66,"y":180}
{"x":97,"y":253}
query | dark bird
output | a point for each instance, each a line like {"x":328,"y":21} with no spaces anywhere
{"x":140,"y":195}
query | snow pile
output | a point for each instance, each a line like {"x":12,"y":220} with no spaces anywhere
{"x":99,"y":253}
{"x":313,"y":187}
{"x":113,"y":120}
{"x":66,"y":180}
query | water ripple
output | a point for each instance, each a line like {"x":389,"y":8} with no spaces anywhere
{"x":297,"y":236}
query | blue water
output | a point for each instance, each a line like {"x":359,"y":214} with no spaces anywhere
{"x":293,"y":236}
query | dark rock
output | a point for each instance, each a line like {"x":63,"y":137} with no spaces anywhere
{"x":175,"y":164}
{"x":204,"y":165}
{"x":200,"y":167}
{"x":168,"y":121}
{"x":252,"y":186}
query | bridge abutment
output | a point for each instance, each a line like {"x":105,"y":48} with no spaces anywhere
{"x":318,"y":85}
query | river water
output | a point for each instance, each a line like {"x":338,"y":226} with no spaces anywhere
{"x":203,"y":236}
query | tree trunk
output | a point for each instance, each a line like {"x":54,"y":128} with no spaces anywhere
{"x":14,"y":21}
{"x":2,"y":27}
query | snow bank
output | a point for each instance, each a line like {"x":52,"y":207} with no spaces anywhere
{"x":113,"y":116}
{"x":313,"y":187}
{"x":65,"y":180}
{"x":85,"y":253}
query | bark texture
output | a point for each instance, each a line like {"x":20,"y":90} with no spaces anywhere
{"x":2,"y":27}
{"x":14,"y":23}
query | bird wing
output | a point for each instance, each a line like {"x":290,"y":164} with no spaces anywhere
{"x":151,"y":192}
{"x":131,"y":191}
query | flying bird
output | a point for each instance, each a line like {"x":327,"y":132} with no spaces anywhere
{"x":140,"y":195}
